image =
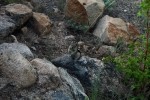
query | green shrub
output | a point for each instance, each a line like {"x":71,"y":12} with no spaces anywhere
{"x":134,"y":63}
{"x":95,"y":90}
{"x":136,"y":69}
{"x":144,"y":8}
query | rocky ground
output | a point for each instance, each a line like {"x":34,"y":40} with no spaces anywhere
{"x":53,"y":82}
{"x":125,"y":9}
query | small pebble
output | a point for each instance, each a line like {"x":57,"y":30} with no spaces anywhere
{"x":125,"y":10}
{"x":33,"y":48}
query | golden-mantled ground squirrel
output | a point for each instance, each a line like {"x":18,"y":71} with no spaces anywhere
{"x":74,"y":50}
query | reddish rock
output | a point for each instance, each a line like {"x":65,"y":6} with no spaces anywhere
{"x":41,"y":23}
{"x":84,"y":11}
{"x":110,"y":29}
{"x":133,"y":31}
{"x":76,"y":11}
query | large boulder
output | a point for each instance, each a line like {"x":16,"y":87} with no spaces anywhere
{"x":7,"y":26}
{"x":47,"y":86}
{"x":41,"y":23}
{"x":18,"y":12}
{"x":48,"y":73}
{"x":28,"y":3}
{"x":21,"y":48}
{"x":73,"y":66}
{"x":74,"y":84}
{"x":19,"y":70}
{"x":104,"y":78}
{"x":94,"y":74}
{"x":4,"y":82}
{"x":110,"y":29}
{"x":65,"y":61}
{"x":84,"y":11}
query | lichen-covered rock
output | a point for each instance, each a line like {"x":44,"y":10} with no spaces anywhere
{"x":7,"y":26}
{"x":105,"y":78}
{"x":84,"y":11}
{"x":19,"y":70}
{"x":44,"y":66}
{"x":18,"y":12}
{"x":21,"y":48}
{"x":28,"y":3}
{"x":93,"y":72}
{"x":3,"y":82}
{"x":69,"y":89}
{"x":41,"y":23}
{"x":74,"y":84}
{"x":73,"y":66}
{"x":65,"y":61}
{"x":110,"y":29}
{"x":48,"y":73}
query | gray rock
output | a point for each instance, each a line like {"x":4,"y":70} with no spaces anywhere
{"x":17,"y":68}
{"x":73,"y":66}
{"x":110,"y":48}
{"x":22,"y":48}
{"x":7,"y":26}
{"x":18,"y":12}
{"x":65,"y":61}
{"x":104,"y":77}
{"x":93,"y":72}
{"x":74,"y":84}
{"x":41,"y":23}
{"x":48,"y":73}
{"x":106,"y":51}
{"x":69,"y":89}
{"x":110,"y":29}
{"x":59,"y":95}
{"x":28,"y":4}
{"x":3,"y":82}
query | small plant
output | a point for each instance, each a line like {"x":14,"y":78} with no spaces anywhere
{"x":95,"y":92}
{"x":61,"y":4}
{"x":145,"y":12}
{"x":76,"y":27}
{"x":135,"y":63}
{"x":101,"y":92}
{"x":108,"y":3}
{"x":120,"y":45}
